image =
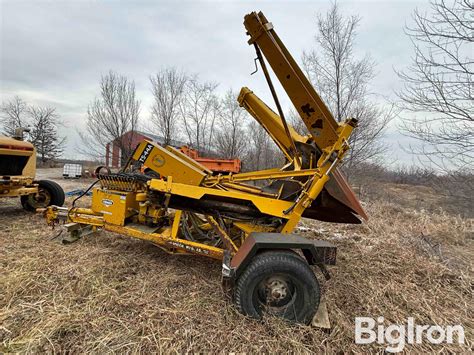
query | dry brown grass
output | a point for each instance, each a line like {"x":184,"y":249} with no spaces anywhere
{"x":111,"y":293}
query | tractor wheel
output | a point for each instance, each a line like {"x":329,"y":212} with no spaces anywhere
{"x":49,"y":193}
{"x":279,"y":283}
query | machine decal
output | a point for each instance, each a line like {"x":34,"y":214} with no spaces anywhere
{"x":188,"y":247}
{"x":146,"y":153}
{"x":107,"y":203}
{"x":159,"y":160}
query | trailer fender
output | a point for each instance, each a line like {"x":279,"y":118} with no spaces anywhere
{"x":316,"y":252}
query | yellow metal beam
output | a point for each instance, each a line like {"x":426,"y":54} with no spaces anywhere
{"x":262,"y":175}
{"x":316,"y":116}
{"x":270,"y":121}
{"x":13,"y":191}
{"x":167,"y":162}
{"x":270,"y":206}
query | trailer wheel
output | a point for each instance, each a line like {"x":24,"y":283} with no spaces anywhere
{"x":278,"y":283}
{"x":49,"y":193}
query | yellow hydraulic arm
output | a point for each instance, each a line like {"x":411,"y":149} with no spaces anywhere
{"x":270,"y":121}
{"x":325,"y":131}
{"x":316,"y":116}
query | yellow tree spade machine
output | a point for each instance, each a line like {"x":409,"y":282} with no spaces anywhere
{"x":185,"y":209}
{"x":17,"y":175}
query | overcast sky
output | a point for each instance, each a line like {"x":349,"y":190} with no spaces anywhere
{"x":54,"y":52}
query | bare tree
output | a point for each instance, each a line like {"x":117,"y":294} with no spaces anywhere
{"x":258,"y":143}
{"x":296,"y":122}
{"x":14,"y":115}
{"x":110,"y":116}
{"x":231,"y":135}
{"x":199,"y":111}
{"x":167,"y":87}
{"x":44,"y":133}
{"x":342,"y":81}
{"x":262,"y":152}
{"x":439,"y":84}
{"x":366,"y":141}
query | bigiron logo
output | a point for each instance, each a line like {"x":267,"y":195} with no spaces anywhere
{"x":397,"y":335}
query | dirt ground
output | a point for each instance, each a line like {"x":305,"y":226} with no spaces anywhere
{"x":108,"y":293}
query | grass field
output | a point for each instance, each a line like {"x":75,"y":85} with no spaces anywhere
{"x":112,"y":293}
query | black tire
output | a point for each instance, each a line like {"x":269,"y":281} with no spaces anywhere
{"x":261,"y":287}
{"x":49,"y":193}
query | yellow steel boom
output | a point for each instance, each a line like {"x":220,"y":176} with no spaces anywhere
{"x":316,"y":116}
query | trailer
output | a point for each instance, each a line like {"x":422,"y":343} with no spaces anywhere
{"x":182,"y":207}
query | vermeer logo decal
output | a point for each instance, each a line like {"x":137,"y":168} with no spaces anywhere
{"x":158,"y":160}
{"x":106,"y":202}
